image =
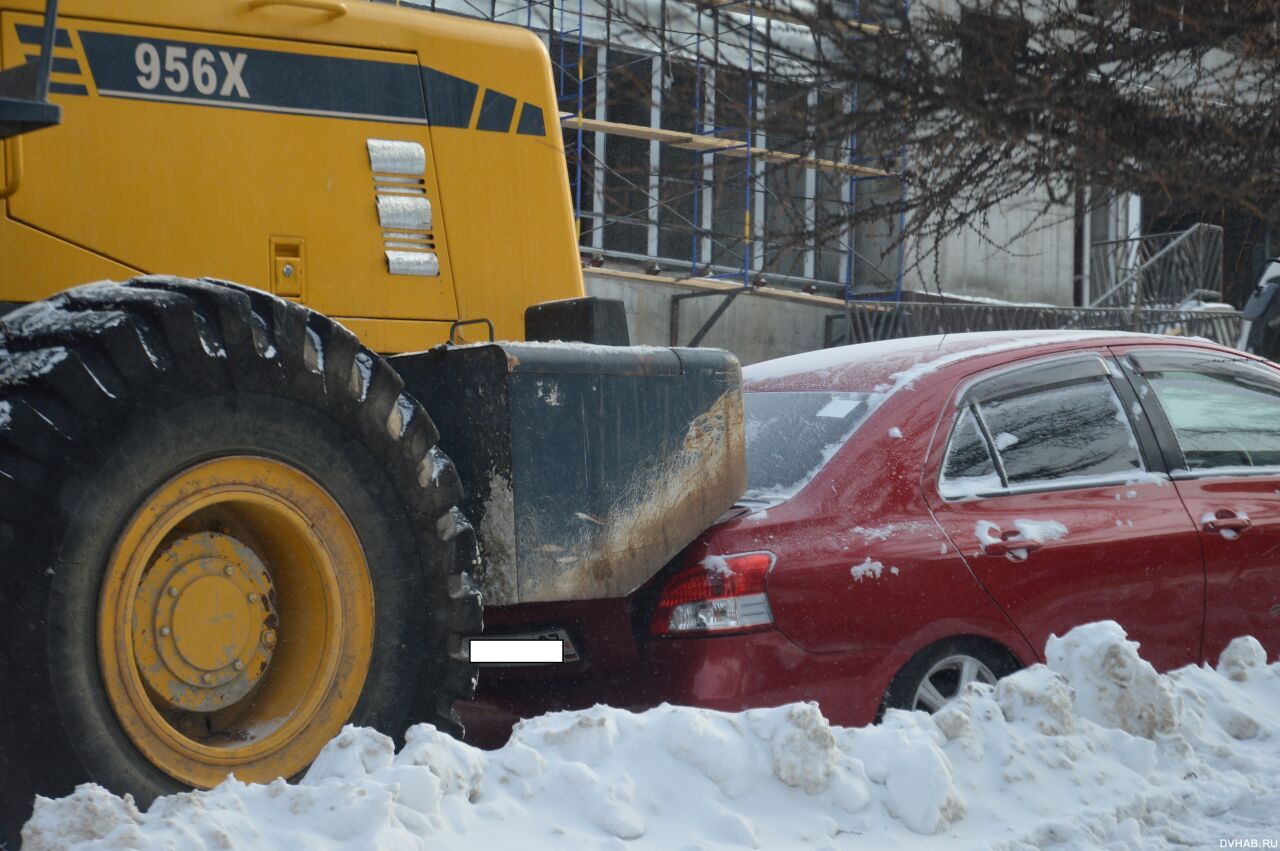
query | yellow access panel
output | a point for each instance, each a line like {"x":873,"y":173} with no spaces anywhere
{"x":299,"y":167}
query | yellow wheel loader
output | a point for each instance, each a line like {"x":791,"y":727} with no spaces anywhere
{"x":228,"y":525}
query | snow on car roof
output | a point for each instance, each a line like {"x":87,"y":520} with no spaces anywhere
{"x":892,"y":364}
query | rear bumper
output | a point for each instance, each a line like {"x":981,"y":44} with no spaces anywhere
{"x":728,"y":673}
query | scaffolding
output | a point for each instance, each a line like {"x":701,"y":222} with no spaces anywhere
{"x":714,"y":20}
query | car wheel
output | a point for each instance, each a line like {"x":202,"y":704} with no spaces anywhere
{"x":938,"y":673}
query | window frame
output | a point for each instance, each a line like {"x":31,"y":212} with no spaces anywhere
{"x":1045,"y":374}
{"x":1136,"y":363}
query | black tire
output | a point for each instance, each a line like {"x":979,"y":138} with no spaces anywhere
{"x":903,"y":691}
{"x":106,"y":391}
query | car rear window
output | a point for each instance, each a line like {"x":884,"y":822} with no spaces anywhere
{"x":791,"y":435}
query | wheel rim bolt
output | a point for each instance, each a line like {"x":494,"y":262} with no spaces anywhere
{"x":239,"y":666}
{"x":253,"y":598}
{"x":173,"y":592}
{"x":228,"y":570}
{"x":164,"y":630}
{"x":269,"y":638}
{"x":207,"y":678}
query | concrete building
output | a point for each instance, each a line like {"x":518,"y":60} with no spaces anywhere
{"x":650,"y":72}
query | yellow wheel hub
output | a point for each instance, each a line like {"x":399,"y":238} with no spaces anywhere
{"x":235,"y":625}
{"x":204,"y":625}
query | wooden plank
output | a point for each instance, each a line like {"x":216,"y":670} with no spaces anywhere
{"x":634,"y":131}
{"x":865,"y":27}
{"x":715,"y":145}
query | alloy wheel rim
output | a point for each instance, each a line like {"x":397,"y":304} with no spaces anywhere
{"x":947,"y":678}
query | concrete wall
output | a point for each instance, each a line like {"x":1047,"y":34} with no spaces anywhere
{"x":758,"y":326}
{"x":1017,"y":259}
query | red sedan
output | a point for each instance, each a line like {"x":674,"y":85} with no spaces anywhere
{"x":925,"y":512}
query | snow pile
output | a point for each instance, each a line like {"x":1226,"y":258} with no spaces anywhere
{"x":1094,"y":749}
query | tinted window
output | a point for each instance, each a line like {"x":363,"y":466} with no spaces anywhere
{"x":968,"y":469}
{"x":1063,"y":432}
{"x":1222,"y":419}
{"x":790,"y":436}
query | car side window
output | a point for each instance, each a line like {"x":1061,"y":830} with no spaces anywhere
{"x":1066,"y":432}
{"x":968,"y":469}
{"x":1062,"y":435}
{"x":1221,"y":418}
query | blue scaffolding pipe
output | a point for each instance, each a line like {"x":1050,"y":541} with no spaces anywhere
{"x":904,"y":155}
{"x":577,"y":179}
{"x":747,"y":179}
{"x":696,"y":238}
{"x":699,"y":129}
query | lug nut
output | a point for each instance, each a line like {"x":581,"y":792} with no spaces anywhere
{"x":239,"y":666}
{"x":164,"y":630}
{"x":253,"y":598}
{"x":173,"y":592}
{"x":269,"y":638}
{"x":228,"y":570}
{"x":207,"y":678}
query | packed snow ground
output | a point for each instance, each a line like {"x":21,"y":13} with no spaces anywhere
{"x":1094,"y":749}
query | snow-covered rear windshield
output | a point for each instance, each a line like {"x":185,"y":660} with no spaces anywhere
{"x":791,"y":435}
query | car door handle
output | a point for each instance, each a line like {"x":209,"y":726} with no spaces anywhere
{"x":1231,"y":521}
{"x":1003,"y":548}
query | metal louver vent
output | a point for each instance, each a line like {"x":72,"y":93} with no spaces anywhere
{"x":404,"y":211}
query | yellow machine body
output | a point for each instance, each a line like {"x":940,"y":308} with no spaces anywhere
{"x":395,"y":169}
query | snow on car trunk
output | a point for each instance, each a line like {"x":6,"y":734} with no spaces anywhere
{"x":1095,"y":748}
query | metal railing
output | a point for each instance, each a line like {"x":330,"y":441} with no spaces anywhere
{"x":1156,"y":270}
{"x":863,"y":322}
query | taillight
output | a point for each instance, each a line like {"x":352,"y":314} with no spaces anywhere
{"x":720,"y":594}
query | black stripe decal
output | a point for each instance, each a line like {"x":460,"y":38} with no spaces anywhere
{"x":67,"y":89}
{"x":31,"y":35}
{"x":126,"y":66}
{"x":450,"y":99}
{"x":531,"y":123}
{"x":496,"y":111}
{"x":61,"y":64}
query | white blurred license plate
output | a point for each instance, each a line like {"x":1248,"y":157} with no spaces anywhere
{"x":569,"y":653}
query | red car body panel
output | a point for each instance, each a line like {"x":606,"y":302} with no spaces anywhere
{"x":1241,"y":570}
{"x":1132,"y":552}
{"x":1242,"y":591}
{"x":1129,"y":554}
{"x":729,"y":673}
{"x":1124,"y":557}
